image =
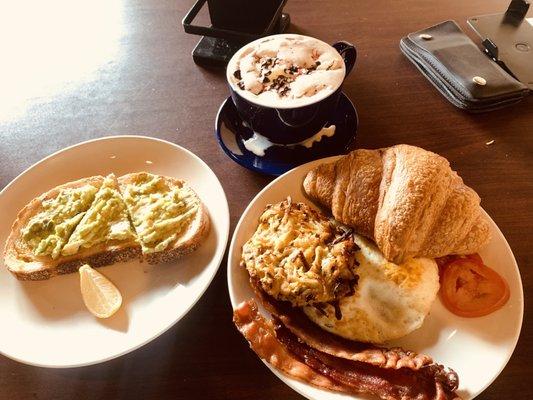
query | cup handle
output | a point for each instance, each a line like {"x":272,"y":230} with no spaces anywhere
{"x":347,"y":52}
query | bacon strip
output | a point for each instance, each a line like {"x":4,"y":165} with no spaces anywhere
{"x":387,"y":384}
{"x":260,"y":334}
{"x":279,"y":346}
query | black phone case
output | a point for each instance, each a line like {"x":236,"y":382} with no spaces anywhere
{"x":459,"y":70}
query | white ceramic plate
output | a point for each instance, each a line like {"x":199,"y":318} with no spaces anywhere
{"x":46,"y":323}
{"x":477,"y":349}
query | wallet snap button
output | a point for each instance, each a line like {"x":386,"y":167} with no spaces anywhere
{"x":425,"y":36}
{"x":478,"y":80}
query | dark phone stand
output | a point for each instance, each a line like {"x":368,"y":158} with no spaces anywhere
{"x":508,"y":39}
{"x":217,"y":45}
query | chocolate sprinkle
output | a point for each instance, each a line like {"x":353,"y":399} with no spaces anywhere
{"x":284,"y":91}
{"x":237,"y":74}
{"x":291,"y":70}
{"x":268,"y":62}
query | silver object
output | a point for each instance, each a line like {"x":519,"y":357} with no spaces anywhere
{"x":478,"y":80}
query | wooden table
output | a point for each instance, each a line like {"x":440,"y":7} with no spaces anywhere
{"x":124,"y":67}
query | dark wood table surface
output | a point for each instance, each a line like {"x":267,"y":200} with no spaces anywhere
{"x":107,"y":68}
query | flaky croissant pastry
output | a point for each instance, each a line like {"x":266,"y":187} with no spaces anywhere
{"x":408,"y":200}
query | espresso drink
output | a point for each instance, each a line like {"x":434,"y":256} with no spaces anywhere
{"x":286,"y":71}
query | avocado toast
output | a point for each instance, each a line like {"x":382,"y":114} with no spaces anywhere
{"x":88,"y":221}
{"x":104,"y":235}
{"x":168,"y":215}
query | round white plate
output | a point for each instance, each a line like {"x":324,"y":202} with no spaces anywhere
{"x":45,"y":323}
{"x":477,"y":349}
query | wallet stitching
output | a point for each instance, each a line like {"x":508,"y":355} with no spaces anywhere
{"x":430,"y":59}
{"x":433,"y":78}
{"x":459,"y":87}
{"x":437,"y":72}
{"x":433,"y":59}
{"x":524,"y":90}
{"x":469,"y":103}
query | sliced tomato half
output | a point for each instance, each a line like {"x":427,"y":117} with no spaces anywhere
{"x":469,"y":288}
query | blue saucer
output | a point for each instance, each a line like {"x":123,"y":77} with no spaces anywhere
{"x":231,"y":132}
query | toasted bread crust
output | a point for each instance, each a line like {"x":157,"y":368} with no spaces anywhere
{"x":94,"y":260}
{"x":25,"y":265}
{"x":186,"y":243}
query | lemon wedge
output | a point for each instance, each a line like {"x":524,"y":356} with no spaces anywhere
{"x":101,"y":297}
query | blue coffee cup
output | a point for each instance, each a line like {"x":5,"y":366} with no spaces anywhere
{"x":285,"y":124}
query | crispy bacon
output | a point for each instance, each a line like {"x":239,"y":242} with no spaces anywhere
{"x":388,"y":384}
{"x":260,"y":334}
{"x":279,"y":346}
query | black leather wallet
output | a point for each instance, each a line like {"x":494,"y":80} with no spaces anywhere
{"x":459,"y":70}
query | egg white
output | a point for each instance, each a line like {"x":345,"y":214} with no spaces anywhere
{"x":389,"y":302}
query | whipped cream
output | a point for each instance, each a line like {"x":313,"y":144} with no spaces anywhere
{"x":284,"y":71}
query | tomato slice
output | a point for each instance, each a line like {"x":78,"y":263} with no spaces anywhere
{"x":469,"y":288}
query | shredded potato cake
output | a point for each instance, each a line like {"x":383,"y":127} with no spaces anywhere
{"x":299,"y":255}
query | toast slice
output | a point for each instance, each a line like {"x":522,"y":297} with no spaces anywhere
{"x":168,"y":216}
{"x":89,"y":221}
{"x":85,"y":221}
{"x":104,"y":235}
{"x":43,"y":227}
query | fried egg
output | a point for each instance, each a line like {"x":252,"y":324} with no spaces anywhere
{"x":389,"y":302}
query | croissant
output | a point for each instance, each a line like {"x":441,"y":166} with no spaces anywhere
{"x":407,"y":199}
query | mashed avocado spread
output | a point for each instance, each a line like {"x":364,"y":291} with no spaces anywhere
{"x":49,"y":230}
{"x":159,"y":212}
{"x":106,"y":219}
